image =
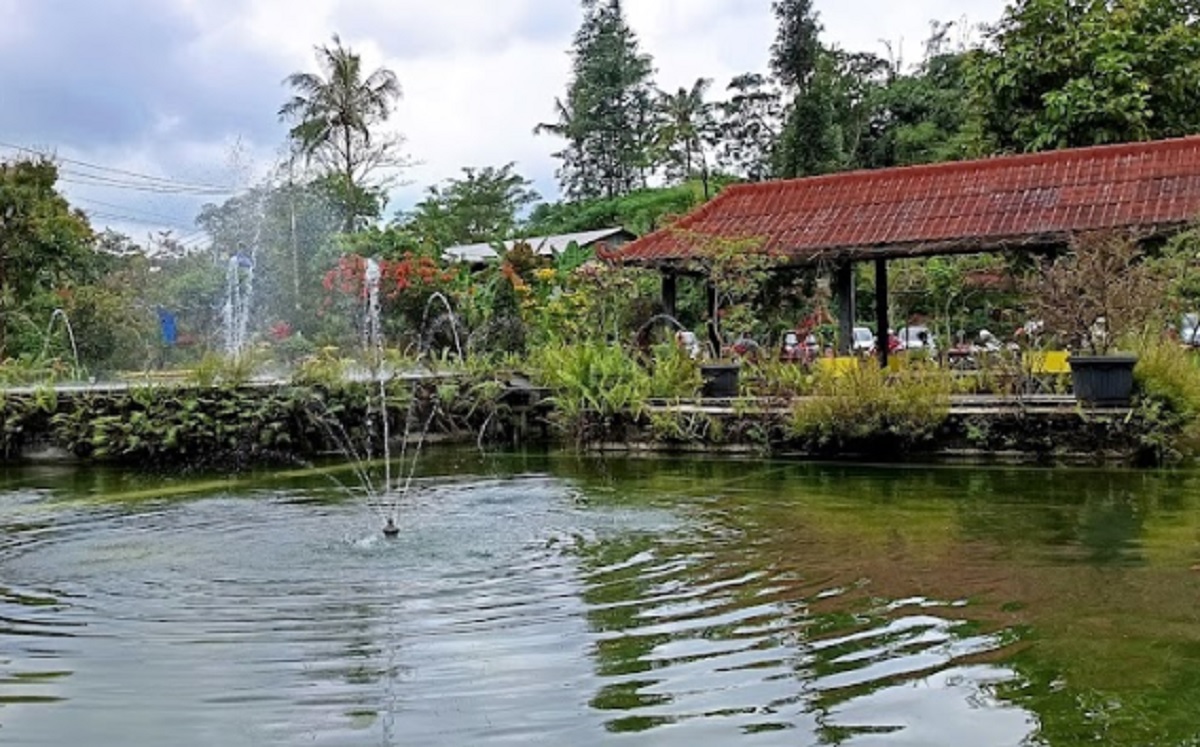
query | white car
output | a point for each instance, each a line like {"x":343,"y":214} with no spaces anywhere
{"x":917,"y":337}
{"x":863,"y":341}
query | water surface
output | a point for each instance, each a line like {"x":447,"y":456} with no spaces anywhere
{"x":553,"y":600}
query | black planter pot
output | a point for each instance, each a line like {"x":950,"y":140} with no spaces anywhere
{"x":720,"y":380}
{"x":1103,"y":379}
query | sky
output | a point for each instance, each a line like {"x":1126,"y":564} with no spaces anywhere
{"x":186,"y":92}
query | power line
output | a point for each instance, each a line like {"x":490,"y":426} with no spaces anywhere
{"x":162,"y":181}
{"x":92,"y":180}
{"x":105,"y":215}
{"x":128,"y":209}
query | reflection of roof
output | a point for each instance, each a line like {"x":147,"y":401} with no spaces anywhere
{"x":965,"y":206}
{"x":546,"y":245}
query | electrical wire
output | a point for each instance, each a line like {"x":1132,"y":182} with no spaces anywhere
{"x":148,"y":179}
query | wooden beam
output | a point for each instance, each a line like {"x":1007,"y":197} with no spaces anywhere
{"x":881,"y":311}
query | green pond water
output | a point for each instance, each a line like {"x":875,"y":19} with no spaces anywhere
{"x":558,"y":600}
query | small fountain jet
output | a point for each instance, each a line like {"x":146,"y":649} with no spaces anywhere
{"x":390,"y":529}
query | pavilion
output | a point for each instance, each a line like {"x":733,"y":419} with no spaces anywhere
{"x":1030,"y":202}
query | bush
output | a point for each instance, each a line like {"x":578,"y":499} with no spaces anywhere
{"x":591,"y":384}
{"x":868,"y":408}
{"x":1167,"y":382}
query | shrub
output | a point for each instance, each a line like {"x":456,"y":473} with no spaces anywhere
{"x":1167,"y":381}
{"x":591,"y":384}
{"x":869,"y":408}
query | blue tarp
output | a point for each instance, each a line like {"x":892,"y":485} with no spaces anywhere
{"x":166,"y":320}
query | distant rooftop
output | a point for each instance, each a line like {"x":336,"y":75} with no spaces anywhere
{"x":1008,"y":202}
{"x":544,"y":245}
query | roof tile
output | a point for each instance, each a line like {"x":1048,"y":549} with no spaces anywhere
{"x":986,"y":202}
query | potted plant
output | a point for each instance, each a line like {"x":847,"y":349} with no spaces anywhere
{"x":735,"y":270}
{"x":1099,"y":294}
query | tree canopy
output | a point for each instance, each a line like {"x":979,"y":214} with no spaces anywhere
{"x":1070,"y":73}
{"x":483,"y":205}
{"x":607,"y":118}
{"x":336,"y":118}
{"x":44,"y":243}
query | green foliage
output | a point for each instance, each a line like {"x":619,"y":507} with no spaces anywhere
{"x":813,"y":140}
{"x":290,"y":227}
{"x":748,"y":126}
{"x":773,"y":378}
{"x":44,"y":244}
{"x":607,"y":118}
{"x":482,"y":206}
{"x":920,"y":116}
{"x":639,"y":212}
{"x":1167,"y":380}
{"x":336,"y":120}
{"x":673,"y":373}
{"x":325,"y":369}
{"x":1070,"y":73}
{"x":868,"y":408}
{"x":686,"y":124}
{"x":214,"y":369}
{"x":591,"y":384}
{"x":797,"y":47}
{"x":737,"y":270}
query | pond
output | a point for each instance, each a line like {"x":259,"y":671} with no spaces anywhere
{"x":544,"y":599}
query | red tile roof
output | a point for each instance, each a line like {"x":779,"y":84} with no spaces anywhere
{"x":990,"y":204}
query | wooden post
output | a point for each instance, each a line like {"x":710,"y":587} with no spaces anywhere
{"x":844,"y":292}
{"x":714,"y":328}
{"x":881,"y":311}
{"x":670,"y":293}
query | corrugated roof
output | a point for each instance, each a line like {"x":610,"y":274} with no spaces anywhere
{"x":545,"y":245}
{"x":982,"y":205}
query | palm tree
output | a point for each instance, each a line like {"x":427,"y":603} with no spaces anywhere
{"x":687,"y":120}
{"x":334,"y":113}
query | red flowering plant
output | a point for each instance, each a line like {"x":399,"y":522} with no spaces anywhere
{"x":405,"y":287}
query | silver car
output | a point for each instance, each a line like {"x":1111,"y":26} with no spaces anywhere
{"x":917,"y":337}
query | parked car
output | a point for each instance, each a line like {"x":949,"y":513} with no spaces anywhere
{"x":794,"y":349}
{"x":917,"y":337}
{"x":863,"y":341}
{"x":1189,"y":330}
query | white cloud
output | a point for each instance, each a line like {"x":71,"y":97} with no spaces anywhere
{"x":478,"y":75}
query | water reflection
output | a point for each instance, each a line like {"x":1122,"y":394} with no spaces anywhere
{"x":534,"y":599}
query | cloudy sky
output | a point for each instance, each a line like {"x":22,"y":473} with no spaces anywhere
{"x":187,"y":91}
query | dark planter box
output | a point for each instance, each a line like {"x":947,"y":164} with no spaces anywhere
{"x":1103,"y":379}
{"x":720,"y":380}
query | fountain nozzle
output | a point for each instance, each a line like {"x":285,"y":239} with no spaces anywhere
{"x":390,"y":529}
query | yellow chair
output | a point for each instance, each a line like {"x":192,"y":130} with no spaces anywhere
{"x":1052,"y":362}
{"x":839,"y":366}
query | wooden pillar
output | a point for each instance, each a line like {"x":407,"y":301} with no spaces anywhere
{"x":844,"y":292}
{"x":881,"y":311}
{"x":714,"y":328}
{"x":670,"y":293}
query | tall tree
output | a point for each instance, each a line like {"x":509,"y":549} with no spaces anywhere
{"x":686,"y":126}
{"x":608,"y":115}
{"x":810,"y":142}
{"x":44,"y":243}
{"x":483,"y":205}
{"x":336,"y":116}
{"x":748,"y":126}
{"x":797,"y":46}
{"x":1067,"y":73}
{"x":813,"y":140}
